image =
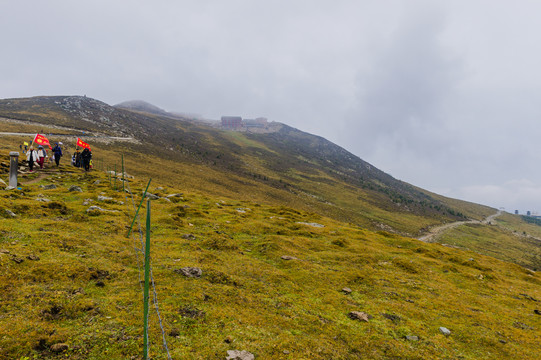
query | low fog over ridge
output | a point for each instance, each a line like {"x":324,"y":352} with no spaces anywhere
{"x":441,"y":95}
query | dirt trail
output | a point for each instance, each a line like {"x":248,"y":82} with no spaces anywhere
{"x":438,"y":230}
{"x":40,"y":177}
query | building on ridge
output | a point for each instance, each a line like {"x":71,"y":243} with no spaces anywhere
{"x":231,"y":122}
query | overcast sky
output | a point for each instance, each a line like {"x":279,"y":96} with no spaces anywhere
{"x":445,"y":95}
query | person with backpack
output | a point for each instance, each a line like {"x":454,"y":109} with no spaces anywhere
{"x":86,"y":156}
{"x":57,"y":153}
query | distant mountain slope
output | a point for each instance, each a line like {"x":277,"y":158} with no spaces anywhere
{"x":286,"y":166}
{"x":142,"y":106}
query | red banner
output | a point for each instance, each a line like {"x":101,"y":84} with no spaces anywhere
{"x":82,"y":144}
{"x":41,"y":140}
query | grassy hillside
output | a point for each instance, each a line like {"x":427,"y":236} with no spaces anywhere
{"x":287,"y":166}
{"x":272,"y":282}
{"x":508,"y":238}
{"x":291,"y":234}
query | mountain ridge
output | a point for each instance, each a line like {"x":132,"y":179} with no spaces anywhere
{"x":306,"y":167}
{"x":282,"y":244}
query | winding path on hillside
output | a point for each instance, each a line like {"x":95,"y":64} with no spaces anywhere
{"x":98,"y":137}
{"x":438,"y":230}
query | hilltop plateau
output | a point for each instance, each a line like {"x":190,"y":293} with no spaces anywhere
{"x":282,"y":245}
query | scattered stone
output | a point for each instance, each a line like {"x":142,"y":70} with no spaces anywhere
{"x":32,"y":257}
{"x":18,"y":260}
{"x":174,"y":195}
{"x":287,"y":257}
{"x":60,"y":347}
{"x":445,"y":331}
{"x":42,"y":199}
{"x":286,"y":352}
{"x":522,"y":326}
{"x":239,"y":355}
{"x":191,"y":272}
{"x":241,"y":210}
{"x":152,"y":196}
{"x":528,"y":297}
{"x":75,"y":188}
{"x":97,"y":182}
{"x":347,"y":290}
{"x":359,"y":315}
{"x":503,"y":341}
{"x":104,"y":198}
{"x":412,"y":338}
{"x":87,"y":202}
{"x":97,"y":209}
{"x":159,"y":188}
{"x":188,"y":236}
{"x":393,"y":318}
{"x":10,"y":213}
{"x":4,"y":251}
{"x":313,"y":224}
{"x":48,"y":187}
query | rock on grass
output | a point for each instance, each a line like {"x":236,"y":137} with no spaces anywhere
{"x":239,"y":355}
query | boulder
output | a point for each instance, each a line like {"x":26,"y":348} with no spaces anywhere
{"x":347,"y":290}
{"x":287,"y":257}
{"x":445,"y":331}
{"x":359,"y":315}
{"x":96,"y":209}
{"x":152,"y":196}
{"x":10,"y":213}
{"x":48,"y":187}
{"x":312,"y":224}
{"x":75,"y":188}
{"x":191,"y":272}
{"x":239,"y":355}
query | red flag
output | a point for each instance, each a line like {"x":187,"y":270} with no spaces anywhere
{"x":82,"y":144}
{"x":41,"y":140}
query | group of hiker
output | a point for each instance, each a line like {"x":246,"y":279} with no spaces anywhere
{"x":82,"y":159}
{"x":38,"y":157}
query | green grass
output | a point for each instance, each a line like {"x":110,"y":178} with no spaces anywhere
{"x":244,"y":200}
{"x":248,"y":298}
{"x":505,"y":239}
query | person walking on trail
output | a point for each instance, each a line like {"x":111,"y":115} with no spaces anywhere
{"x":31,"y":157}
{"x":57,"y":153}
{"x":86,"y":156}
{"x":41,"y":156}
{"x":76,"y":159}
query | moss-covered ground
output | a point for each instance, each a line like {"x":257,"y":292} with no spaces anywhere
{"x":272,"y":281}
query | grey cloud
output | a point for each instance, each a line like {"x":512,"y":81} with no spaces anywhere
{"x":440,"y":94}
